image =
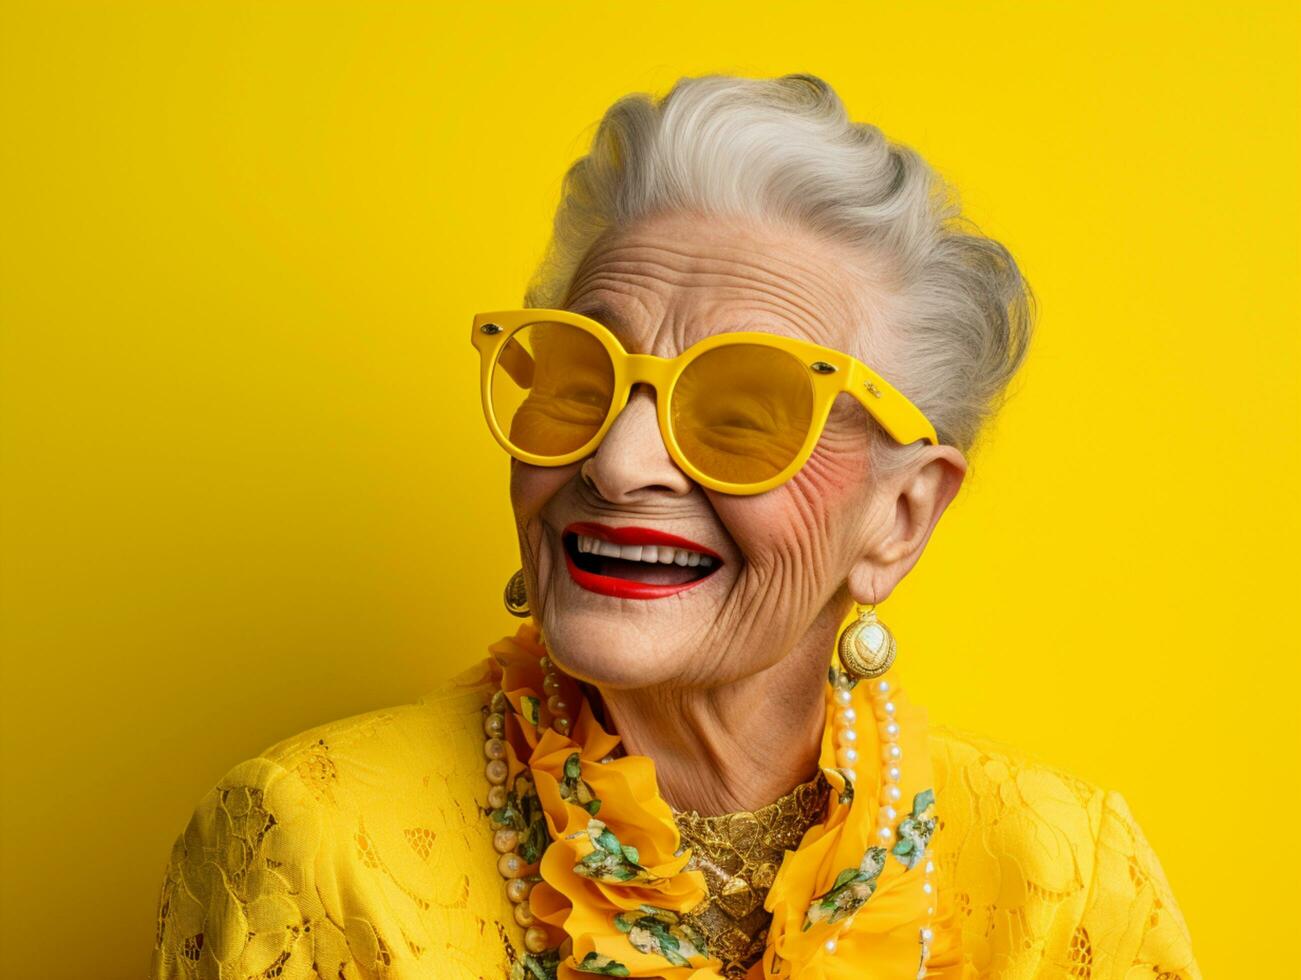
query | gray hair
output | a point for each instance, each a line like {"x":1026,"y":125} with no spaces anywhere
{"x":785,"y":150}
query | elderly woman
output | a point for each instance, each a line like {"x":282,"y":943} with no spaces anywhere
{"x":737,"y":403}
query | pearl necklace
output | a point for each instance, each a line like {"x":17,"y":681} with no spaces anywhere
{"x":847,"y":758}
{"x":520,"y":875}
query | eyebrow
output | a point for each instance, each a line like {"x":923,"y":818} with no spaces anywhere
{"x":598,"y":311}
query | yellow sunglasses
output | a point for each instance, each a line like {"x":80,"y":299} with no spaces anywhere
{"x":740,"y":412}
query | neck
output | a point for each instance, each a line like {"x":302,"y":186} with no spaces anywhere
{"x":734,"y":747}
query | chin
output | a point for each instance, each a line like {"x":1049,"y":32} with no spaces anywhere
{"x":608,"y":648}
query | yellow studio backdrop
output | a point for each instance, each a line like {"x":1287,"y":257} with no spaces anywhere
{"x":247,"y":487}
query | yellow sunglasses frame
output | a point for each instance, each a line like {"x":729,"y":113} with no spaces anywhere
{"x":830,"y":373}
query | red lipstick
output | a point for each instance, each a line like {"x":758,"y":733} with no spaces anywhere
{"x":623,"y":588}
{"x":638,"y":535}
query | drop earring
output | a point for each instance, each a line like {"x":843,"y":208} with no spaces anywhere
{"x":866,"y":647}
{"x":516,"y":596}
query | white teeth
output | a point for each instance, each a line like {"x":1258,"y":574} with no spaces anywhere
{"x":663,"y":554}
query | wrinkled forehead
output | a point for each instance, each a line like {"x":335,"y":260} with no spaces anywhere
{"x":662,"y":286}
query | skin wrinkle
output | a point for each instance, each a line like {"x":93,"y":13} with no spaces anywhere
{"x":640,"y":266}
{"x":875,"y":302}
{"x":722,"y":685}
{"x":773,"y":317}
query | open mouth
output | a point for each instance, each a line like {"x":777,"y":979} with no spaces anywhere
{"x":632,"y":562}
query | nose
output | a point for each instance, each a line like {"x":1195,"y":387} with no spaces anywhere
{"x":632,"y":463}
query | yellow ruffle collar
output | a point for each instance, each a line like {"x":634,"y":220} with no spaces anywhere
{"x":612,"y":883}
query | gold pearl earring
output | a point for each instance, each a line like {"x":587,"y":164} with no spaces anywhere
{"x":865,"y":647}
{"x":515,"y":596}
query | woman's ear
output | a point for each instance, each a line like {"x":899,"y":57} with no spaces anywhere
{"x":919,"y":493}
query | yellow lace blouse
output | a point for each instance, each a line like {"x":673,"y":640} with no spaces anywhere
{"x":360,"y":849}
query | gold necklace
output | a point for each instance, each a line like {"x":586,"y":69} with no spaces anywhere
{"x":739,"y":854}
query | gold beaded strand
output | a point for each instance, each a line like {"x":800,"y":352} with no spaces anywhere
{"x":520,"y":876}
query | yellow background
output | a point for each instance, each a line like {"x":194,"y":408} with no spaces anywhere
{"x":247,"y":487}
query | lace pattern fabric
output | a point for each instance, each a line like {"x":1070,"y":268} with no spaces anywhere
{"x":1051,"y":875}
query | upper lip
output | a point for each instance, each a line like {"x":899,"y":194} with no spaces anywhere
{"x":638,"y":535}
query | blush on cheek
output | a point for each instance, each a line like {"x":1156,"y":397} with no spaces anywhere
{"x":770,"y":524}
{"x":832,"y":476}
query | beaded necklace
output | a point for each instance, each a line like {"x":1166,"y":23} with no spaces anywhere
{"x":593,"y":862}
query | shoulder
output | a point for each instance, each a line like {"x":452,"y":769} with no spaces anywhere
{"x":344,"y":845}
{"x":422,"y":757}
{"x":1044,"y":864}
{"x":983,"y":778}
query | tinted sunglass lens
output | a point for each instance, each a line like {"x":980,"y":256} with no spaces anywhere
{"x":552,"y":385}
{"x":741,"y":413}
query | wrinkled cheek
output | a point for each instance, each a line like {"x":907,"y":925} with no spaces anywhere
{"x":795,"y":529}
{"x":839,"y":469}
{"x":832,"y":476}
{"x":532,"y":488}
